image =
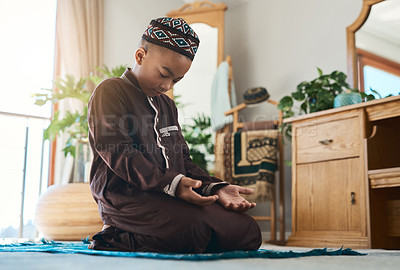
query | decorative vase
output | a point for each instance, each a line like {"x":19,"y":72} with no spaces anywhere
{"x":67,"y":213}
{"x":346,"y":98}
{"x":82,"y":162}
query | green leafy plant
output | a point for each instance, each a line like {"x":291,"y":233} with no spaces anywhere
{"x":107,"y":73}
{"x":199,"y":138}
{"x":375,"y":94}
{"x":73,"y":123}
{"x":313,"y":96}
{"x":368,"y":97}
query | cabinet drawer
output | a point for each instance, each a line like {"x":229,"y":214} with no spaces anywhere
{"x":328,"y":140}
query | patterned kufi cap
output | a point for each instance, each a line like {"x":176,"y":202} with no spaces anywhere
{"x":174,"y":34}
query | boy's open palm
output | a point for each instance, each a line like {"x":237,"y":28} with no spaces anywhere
{"x":230,"y":198}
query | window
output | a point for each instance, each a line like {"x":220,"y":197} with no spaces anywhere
{"x":379,"y":74}
{"x":27,"y":29}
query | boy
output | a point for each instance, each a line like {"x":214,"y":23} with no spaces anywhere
{"x":150,"y":194}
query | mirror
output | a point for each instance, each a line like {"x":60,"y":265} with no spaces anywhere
{"x":373,"y":47}
{"x":194,"y":90}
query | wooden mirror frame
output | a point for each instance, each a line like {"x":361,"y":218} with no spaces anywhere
{"x":352,"y":66}
{"x":204,"y":12}
{"x":208,"y":13}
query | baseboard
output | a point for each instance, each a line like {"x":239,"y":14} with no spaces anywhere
{"x":266,"y":236}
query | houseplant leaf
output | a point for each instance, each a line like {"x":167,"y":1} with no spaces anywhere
{"x":285,"y":104}
{"x":74,"y":123}
{"x":299,"y":96}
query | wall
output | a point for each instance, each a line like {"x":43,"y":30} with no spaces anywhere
{"x":124,"y":24}
{"x":273,"y":43}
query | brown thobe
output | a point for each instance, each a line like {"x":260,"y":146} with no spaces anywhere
{"x":140,"y":156}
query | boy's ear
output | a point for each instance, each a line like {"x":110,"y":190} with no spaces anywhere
{"x":139,"y":55}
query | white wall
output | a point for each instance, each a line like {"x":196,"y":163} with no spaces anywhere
{"x":124,"y":23}
{"x":273,"y":43}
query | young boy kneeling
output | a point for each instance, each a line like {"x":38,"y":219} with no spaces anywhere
{"x":150,"y":194}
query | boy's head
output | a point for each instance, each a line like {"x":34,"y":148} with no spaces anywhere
{"x":164,"y":55}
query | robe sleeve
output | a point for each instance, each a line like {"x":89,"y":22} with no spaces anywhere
{"x":209,"y":184}
{"x":109,"y":135}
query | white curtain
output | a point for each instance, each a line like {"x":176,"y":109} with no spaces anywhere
{"x":79,"y":50}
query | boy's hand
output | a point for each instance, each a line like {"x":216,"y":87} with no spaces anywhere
{"x":185,"y":192}
{"x":230,"y":198}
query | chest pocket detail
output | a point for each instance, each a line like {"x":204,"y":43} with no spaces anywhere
{"x":165,"y":131}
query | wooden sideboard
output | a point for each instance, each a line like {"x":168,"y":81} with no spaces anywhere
{"x":346,"y":176}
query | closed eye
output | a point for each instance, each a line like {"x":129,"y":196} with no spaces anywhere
{"x":163,"y":76}
{"x":177,"y":80}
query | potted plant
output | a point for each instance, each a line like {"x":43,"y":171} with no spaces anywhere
{"x":313,"y":96}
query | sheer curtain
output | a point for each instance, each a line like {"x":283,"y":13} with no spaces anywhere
{"x":78,"y":51}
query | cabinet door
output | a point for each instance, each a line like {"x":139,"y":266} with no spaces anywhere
{"x":330,"y":196}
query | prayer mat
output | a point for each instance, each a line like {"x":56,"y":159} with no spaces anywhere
{"x":250,"y":160}
{"x":82,"y":248}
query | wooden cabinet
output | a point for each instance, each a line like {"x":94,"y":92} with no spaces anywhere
{"x":346,"y":176}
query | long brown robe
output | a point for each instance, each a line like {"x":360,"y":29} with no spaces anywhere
{"x":140,"y":156}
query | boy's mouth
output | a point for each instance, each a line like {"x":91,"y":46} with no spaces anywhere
{"x":159,"y":91}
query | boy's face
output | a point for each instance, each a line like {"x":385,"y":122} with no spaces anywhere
{"x":160,"y":68}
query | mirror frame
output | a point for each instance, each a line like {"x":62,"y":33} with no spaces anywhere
{"x":352,"y":66}
{"x":203,"y":12}
{"x":208,"y":13}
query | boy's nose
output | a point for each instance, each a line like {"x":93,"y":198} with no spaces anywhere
{"x":166,"y":85}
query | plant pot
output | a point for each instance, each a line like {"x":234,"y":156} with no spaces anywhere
{"x":345,"y":99}
{"x":82,"y":161}
{"x":67,"y":212}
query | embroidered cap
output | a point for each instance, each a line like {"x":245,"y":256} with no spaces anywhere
{"x":255,"y":95}
{"x":174,"y":34}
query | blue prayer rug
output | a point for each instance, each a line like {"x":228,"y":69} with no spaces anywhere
{"x":82,"y":248}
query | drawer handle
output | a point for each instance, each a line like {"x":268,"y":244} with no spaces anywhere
{"x":353,"y":198}
{"x":326,"y":142}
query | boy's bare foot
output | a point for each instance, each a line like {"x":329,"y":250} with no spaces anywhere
{"x":105,"y":227}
